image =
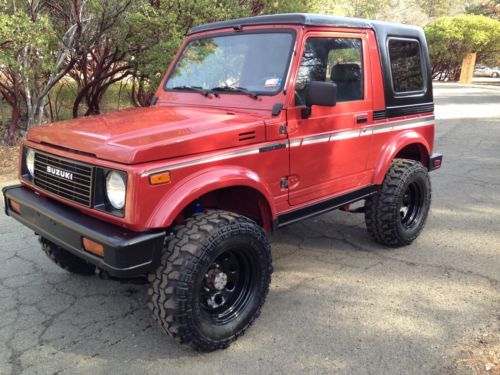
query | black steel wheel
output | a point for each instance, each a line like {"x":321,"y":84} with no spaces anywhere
{"x":396,"y":215}
{"x":228,"y":286}
{"x":212,"y":281}
{"x":412,"y":204}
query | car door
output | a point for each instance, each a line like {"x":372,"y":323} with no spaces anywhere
{"x":328,"y":153}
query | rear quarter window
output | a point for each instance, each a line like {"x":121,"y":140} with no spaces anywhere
{"x":406,"y":65}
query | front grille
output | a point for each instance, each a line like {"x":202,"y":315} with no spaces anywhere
{"x":64,"y":177}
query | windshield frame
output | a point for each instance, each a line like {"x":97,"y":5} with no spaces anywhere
{"x":283,"y":82}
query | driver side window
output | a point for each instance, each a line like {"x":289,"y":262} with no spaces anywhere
{"x":337,"y":60}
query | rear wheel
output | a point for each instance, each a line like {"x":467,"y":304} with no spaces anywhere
{"x":212,"y":281}
{"x":65,"y":259}
{"x":396,"y":215}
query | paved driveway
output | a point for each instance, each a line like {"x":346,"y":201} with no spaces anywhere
{"x":338,"y":302}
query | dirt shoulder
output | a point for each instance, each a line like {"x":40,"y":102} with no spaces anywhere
{"x":479,"y":354}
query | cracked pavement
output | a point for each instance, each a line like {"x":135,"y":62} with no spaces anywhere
{"x":338,"y":303}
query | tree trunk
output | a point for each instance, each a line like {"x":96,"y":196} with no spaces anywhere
{"x":16,"y":116}
{"x":40,"y":110}
{"x":119,"y":95}
{"x":30,"y":110}
{"x":78,"y":100}
{"x":133,"y":92}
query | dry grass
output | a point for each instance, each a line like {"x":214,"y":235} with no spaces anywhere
{"x":8,"y":162}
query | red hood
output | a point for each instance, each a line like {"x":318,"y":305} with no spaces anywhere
{"x":146,"y":134}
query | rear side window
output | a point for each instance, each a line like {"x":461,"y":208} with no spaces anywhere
{"x":406,"y":65}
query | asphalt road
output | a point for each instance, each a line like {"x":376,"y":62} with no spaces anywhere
{"x":339,"y":303}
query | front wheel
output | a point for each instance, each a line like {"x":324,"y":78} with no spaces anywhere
{"x":396,"y":215}
{"x":65,"y":259}
{"x":212,"y":281}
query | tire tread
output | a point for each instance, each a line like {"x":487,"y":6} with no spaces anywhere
{"x":381,"y":214}
{"x":184,"y":249}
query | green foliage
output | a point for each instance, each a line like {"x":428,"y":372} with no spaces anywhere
{"x":26,"y":45}
{"x":40,"y":41}
{"x":282,"y":6}
{"x":45,"y":40}
{"x":435,"y":8}
{"x":459,"y":35}
{"x":488,"y":8}
{"x":153,"y":40}
{"x":158,"y":28}
{"x":451,"y":38}
{"x":348,"y":8}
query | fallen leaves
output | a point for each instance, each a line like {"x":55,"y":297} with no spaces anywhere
{"x":481,"y":355}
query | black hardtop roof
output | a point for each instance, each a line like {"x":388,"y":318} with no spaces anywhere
{"x":409,"y":103}
{"x":306,"y":19}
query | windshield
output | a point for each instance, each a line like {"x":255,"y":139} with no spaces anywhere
{"x":253,"y":61}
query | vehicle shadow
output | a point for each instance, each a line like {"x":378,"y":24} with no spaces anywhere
{"x":335,"y":298}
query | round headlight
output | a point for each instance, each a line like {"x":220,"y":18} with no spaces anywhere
{"x":30,"y":161}
{"x":116,"y":189}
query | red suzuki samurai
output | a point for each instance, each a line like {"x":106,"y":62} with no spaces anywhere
{"x":260,"y":122}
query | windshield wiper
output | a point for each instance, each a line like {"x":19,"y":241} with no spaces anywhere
{"x":196,"y":89}
{"x":236,"y":89}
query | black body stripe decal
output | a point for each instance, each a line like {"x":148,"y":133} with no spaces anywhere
{"x":325,"y":206}
{"x":405,"y":110}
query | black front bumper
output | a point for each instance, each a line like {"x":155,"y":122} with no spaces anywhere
{"x":126,"y":253}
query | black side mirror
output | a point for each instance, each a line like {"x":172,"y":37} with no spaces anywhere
{"x":320,"y":93}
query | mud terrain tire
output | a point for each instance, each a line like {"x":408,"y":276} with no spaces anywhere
{"x":212,"y":280}
{"x":396,"y":215}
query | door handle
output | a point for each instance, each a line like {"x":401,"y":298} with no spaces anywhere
{"x":361,"y":119}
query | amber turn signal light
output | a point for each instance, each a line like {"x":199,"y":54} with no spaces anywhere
{"x":93,"y":247}
{"x":159,"y":178}
{"x":15,"y":206}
